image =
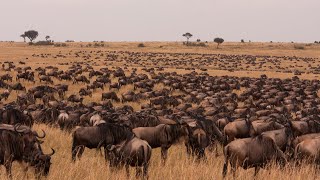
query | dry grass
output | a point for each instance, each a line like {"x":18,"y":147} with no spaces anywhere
{"x":92,"y":166}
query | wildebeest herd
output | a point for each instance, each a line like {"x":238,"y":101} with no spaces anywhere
{"x":255,"y":120}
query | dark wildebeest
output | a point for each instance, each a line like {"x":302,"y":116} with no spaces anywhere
{"x":20,"y":143}
{"x":251,"y":152}
{"x":163,"y":136}
{"x":110,"y":95}
{"x":131,"y":152}
{"x":197,"y":141}
{"x":12,"y":115}
{"x":98,"y":136}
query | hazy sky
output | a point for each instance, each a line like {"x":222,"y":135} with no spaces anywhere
{"x":162,"y":20}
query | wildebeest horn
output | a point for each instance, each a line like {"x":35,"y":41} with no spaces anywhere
{"x":44,"y":134}
{"x":16,"y":128}
{"x":53,"y":151}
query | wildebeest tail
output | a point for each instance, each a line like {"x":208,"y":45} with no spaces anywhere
{"x":297,"y":153}
{"x":226,"y":160}
{"x":225,"y":139}
{"x":146,"y":153}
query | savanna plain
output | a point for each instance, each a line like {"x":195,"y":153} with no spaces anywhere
{"x":179,"y":165}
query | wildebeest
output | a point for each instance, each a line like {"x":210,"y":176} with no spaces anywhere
{"x":282,"y":137}
{"x":197,"y":141}
{"x":98,"y":136}
{"x":20,"y":143}
{"x":251,"y":152}
{"x":299,"y":139}
{"x":110,"y":95}
{"x":12,"y":115}
{"x":309,"y":150}
{"x":163,"y":136}
{"x":131,"y":152}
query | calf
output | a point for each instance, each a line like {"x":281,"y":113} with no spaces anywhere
{"x":132,"y":152}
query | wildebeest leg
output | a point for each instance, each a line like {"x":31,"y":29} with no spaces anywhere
{"x":202,"y":154}
{"x":213,"y":146}
{"x":187,"y":144}
{"x":233,"y":164}
{"x":225,"y":168}
{"x":217,"y":154}
{"x":164,"y":154}
{"x":25,"y":170}
{"x":77,"y":151}
{"x":256,"y":170}
{"x":106,"y":157}
{"x":138,"y":171}
{"x":80,"y":151}
{"x":145,"y":170}
{"x":8,"y":165}
{"x":127,"y":170}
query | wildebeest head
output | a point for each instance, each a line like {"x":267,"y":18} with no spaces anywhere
{"x":114,"y":154}
{"x":33,"y":151}
{"x":42,"y":163}
{"x":176,"y":131}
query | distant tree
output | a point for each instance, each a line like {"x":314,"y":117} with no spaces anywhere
{"x":316,"y":42}
{"x":47,"y":38}
{"x":188,"y":36}
{"x":198,"y":40}
{"x":218,"y":41}
{"x":242,"y":41}
{"x":31,"y":34}
{"x":24,"y":37}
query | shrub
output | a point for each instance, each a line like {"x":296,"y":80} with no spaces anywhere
{"x":69,"y":40}
{"x":141,"y":45}
{"x":60,"y":45}
{"x":201,"y":44}
{"x":297,"y":46}
{"x":41,"y":43}
{"x":242,"y":41}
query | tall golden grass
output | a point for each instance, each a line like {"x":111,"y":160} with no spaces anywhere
{"x":92,"y":165}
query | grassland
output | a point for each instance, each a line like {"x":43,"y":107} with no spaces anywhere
{"x":92,"y":166}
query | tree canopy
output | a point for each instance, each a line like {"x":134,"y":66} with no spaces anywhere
{"x":218,"y":41}
{"x":31,"y":34}
{"x":188,"y":36}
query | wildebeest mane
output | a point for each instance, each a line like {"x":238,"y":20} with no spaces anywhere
{"x":12,"y":141}
{"x":172,"y":131}
{"x":116,"y":131}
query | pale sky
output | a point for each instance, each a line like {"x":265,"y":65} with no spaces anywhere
{"x":162,"y":20}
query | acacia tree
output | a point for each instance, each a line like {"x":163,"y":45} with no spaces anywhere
{"x":218,"y":41}
{"x":188,"y":36}
{"x":47,"y":38}
{"x":31,"y":34}
{"x":24,"y":37}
